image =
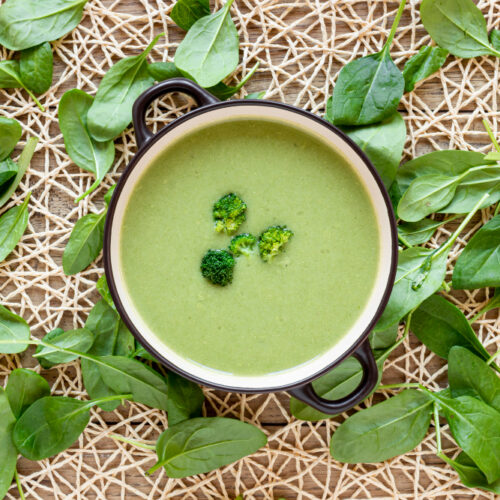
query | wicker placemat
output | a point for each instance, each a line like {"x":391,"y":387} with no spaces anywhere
{"x":301,"y":45}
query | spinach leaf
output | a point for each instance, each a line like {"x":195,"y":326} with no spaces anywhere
{"x":85,"y":243}
{"x":255,"y":95}
{"x":186,"y":12}
{"x":111,"y":112}
{"x":51,"y":425}
{"x":369,"y":89}
{"x":10,"y":78}
{"x":493,"y":303}
{"x":8,"y":452}
{"x":336,"y":384}
{"x":87,"y":153}
{"x":13,"y":223}
{"x":200,"y":445}
{"x":24,"y":388}
{"x":416,"y":233}
{"x":427,"y":194}
{"x":478,"y":266}
{"x":210,"y":50}
{"x":8,"y":169}
{"x":495,"y":39}
{"x":385,"y":430}
{"x":469,"y":375}
{"x":458,"y":26}
{"x":476,"y":428}
{"x":103,"y":289}
{"x":10,"y":133}
{"x":423,"y":64}
{"x":77,"y":340}
{"x":36,"y":67}
{"x":7,"y":189}
{"x":26,"y":23}
{"x":383,"y":143}
{"x":470,"y":474}
{"x":185,"y":399}
{"x":407,"y":292}
{"x":455,"y":163}
{"x":440,"y":325}
{"x":12,"y":327}
{"x":111,"y":338}
{"x":165,"y":70}
{"x":383,"y":339}
{"x":125,"y":375}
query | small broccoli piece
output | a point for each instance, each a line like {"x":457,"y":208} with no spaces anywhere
{"x":229,"y":213}
{"x":217,"y":267}
{"x":242,"y":244}
{"x":272,"y":240}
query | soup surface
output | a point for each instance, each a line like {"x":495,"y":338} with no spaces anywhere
{"x":275,"y":315}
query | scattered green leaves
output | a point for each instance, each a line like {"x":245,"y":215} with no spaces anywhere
{"x":10,"y":133}
{"x":423,"y":64}
{"x":185,"y":399}
{"x":12,"y":328}
{"x":200,"y":445}
{"x":77,"y":340}
{"x":210,"y":50}
{"x":13,"y":223}
{"x":186,"y":12}
{"x":24,"y":387}
{"x":10,"y":78}
{"x":36,"y":67}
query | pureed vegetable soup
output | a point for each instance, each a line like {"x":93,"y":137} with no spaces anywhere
{"x":274,"y":315}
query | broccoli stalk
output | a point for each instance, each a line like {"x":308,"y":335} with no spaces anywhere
{"x":272,"y":241}
{"x":217,"y":267}
{"x":229,"y":213}
{"x":242,"y":244}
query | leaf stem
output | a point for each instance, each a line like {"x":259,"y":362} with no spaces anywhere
{"x":438,"y":428}
{"x":137,"y":444}
{"x":403,"y":240}
{"x":447,"y":244}
{"x":19,"y":486}
{"x":490,"y":133}
{"x":493,"y":357}
{"x":36,"y":101}
{"x":395,"y":24}
{"x":115,"y":397}
{"x":406,"y":385}
{"x":497,"y":209}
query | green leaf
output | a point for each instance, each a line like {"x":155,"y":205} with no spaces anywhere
{"x":200,"y":445}
{"x":416,"y":233}
{"x":405,"y":294}
{"x":13,"y":223}
{"x":336,"y":384}
{"x":210,"y":50}
{"x":440,"y":325}
{"x":457,"y":26}
{"x":36,"y":67}
{"x":478,"y":266}
{"x":77,"y":340}
{"x":455,"y":163}
{"x":24,"y":388}
{"x":50,"y":425}
{"x":185,"y":399}
{"x":385,"y":430}
{"x":10,"y":133}
{"x":103,"y":289}
{"x":476,"y":428}
{"x":163,"y":71}
{"x":425,"y":195}
{"x":111,"y":338}
{"x":469,"y":375}
{"x":8,"y":170}
{"x":26,"y":23}
{"x":7,"y":189}
{"x":495,"y":39}
{"x":383,"y":143}
{"x":111,"y":111}
{"x":422,"y":65}
{"x":186,"y":12}
{"x":255,"y":95}
{"x":10,"y":77}
{"x":87,"y":153}
{"x":12,"y":327}
{"x":383,"y":338}
{"x":85,"y":243}
{"x":8,"y":452}
{"x":470,"y":474}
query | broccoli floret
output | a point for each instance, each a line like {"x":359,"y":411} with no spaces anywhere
{"x":229,"y":213}
{"x":272,"y":240}
{"x":242,"y":244}
{"x":217,"y":267}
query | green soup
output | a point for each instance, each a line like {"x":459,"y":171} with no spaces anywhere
{"x":275,"y":315}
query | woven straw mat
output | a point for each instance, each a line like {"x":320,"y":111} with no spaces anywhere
{"x":301,"y":46}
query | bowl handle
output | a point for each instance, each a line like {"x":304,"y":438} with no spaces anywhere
{"x":199,"y":94}
{"x":364,"y":355}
